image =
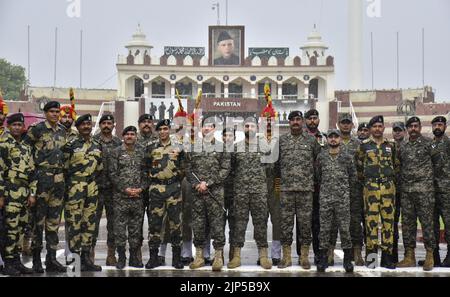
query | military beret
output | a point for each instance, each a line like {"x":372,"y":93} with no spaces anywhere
{"x":376,"y":119}
{"x":223,"y":36}
{"x":107,"y":117}
{"x":229,"y":130}
{"x":129,"y":129}
{"x":363,"y":126}
{"x":311,"y":112}
{"x":51,"y":104}
{"x":411,"y":120}
{"x":145,"y":117}
{"x":165,"y":122}
{"x":334,"y":131}
{"x":83,"y":118}
{"x":399,"y":125}
{"x":345,"y":117}
{"x":17,"y":117}
{"x":294,"y":114}
{"x":439,"y":119}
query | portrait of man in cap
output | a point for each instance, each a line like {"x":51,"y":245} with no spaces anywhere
{"x":226,"y":45}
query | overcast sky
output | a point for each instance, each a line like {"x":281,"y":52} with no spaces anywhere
{"x":108,"y":26}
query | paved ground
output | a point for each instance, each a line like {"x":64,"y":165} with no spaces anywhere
{"x":249,"y":268}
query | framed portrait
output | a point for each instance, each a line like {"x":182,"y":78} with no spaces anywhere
{"x":226,"y":45}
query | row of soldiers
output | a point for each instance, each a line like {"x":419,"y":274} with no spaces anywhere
{"x":326,"y":183}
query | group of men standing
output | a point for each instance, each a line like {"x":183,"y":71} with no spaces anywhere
{"x":326,"y":183}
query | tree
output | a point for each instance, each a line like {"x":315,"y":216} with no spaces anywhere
{"x":12,"y":80}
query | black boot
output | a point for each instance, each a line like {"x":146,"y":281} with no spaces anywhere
{"x":162,"y":260}
{"x":22,"y":268}
{"x":176,"y":258}
{"x":37,"y":263}
{"x":446,"y":262}
{"x":187,"y":260}
{"x":437,"y":258}
{"x":387,"y":261}
{"x":122,"y":261}
{"x":395,"y":255}
{"x":134,"y":259}
{"x":51,"y":264}
{"x":10,"y":268}
{"x":153,"y":261}
{"x":86,"y":262}
{"x":348,"y":266}
{"x":322,"y":263}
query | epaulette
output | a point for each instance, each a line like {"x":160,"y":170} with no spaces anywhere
{"x":365,"y":141}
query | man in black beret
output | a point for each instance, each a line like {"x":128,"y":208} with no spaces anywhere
{"x":363,"y":131}
{"x":225,"y":48}
{"x":108,"y":142}
{"x":146,"y":133}
{"x":16,"y":195}
{"x":441,"y":164}
{"x":46,"y":139}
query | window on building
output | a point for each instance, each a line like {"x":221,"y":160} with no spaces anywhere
{"x":314,"y":88}
{"x":290,"y":90}
{"x":138,"y":88}
{"x":234,"y":90}
{"x":159,"y":89}
{"x":209,"y":90}
{"x":185,"y":89}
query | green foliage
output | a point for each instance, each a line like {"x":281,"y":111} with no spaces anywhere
{"x":12,"y":80}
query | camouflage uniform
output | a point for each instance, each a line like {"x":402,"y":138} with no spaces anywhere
{"x":295,"y":167}
{"x":397,"y":211}
{"x":441,"y":166}
{"x":46,"y":143}
{"x":127,"y":171}
{"x":336,"y":176}
{"x":83,"y":164}
{"x":376,"y":166}
{"x":105,"y":190}
{"x":417,"y":186}
{"x":212,"y":167}
{"x":273,"y":203}
{"x":250,"y":188}
{"x":17,"y":183}
{"x":165,"y":171}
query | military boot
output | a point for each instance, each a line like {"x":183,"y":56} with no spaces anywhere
{"x":122,"y":258}
{"x":37,"y":263}
{"x":236,"y":259}
{"x":387,"y":260}
{"x":357,"y":256}
{"x":26,"y":247}
{"x":199,"y":261}
{"x":87,"y":264}
{"x":264,"y":258}
{"x":111,"y":257}
{"x":10,"y":268}
{"x":230,"y":254}
{"x":22,"y":268}
{"x":92,"y":254}
{"x":409,"y":260}
{"x":436,"y":258}
{"x":446,"y":262}
{"x":347,"y":264}
{"x":286,"y":259}
{"x":429,"y":260}
{"x":134,"y":258}
{"x":330,"y":256}
{"x":218,"y":260}
{"x":322,"y":263}
{"x":153,"y":261}
{"x":304,"y":259}
{"x":51,"y":264}
{"x":176,"y":258}
{"x":139,"y":255}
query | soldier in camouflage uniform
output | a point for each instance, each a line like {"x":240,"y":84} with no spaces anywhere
{"x":376,"y":164}
{"x":441,"y":166}
{"x":250,"y":188}
{"x":165,"y":163}
{"x":127,"y":171}
{"x":417,"y":186}
{"x":336,"y":176}
{"x":398,"y":132}
{"x":105,"y":189}
{"x":363,"y":131}
{"x":351,"y":144}
{"x":295,"y":168}
{"x":83,"y":164}
{"x":46,"y":140}
{"x":3,"y":113}
{"x":17,"y":192}
{"x":211,"y":166}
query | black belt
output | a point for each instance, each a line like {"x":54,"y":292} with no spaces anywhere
{"x":51,"y":170}
{"x":166,"y":181}
{"x":86,"y":179}
{"x":381,"y":180}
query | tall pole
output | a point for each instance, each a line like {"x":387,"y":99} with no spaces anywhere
{"x":56,"y":52}
{"x":226,"y":12}
{"x":398,"y":60}
{"x":423,"y":57}
{"x":371,"y":55}
{"x":81,"y":59}
{"x":29,"y":76}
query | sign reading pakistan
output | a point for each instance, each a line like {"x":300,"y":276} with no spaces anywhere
{"x":267,"y":52}
{"x":184,"y":51}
